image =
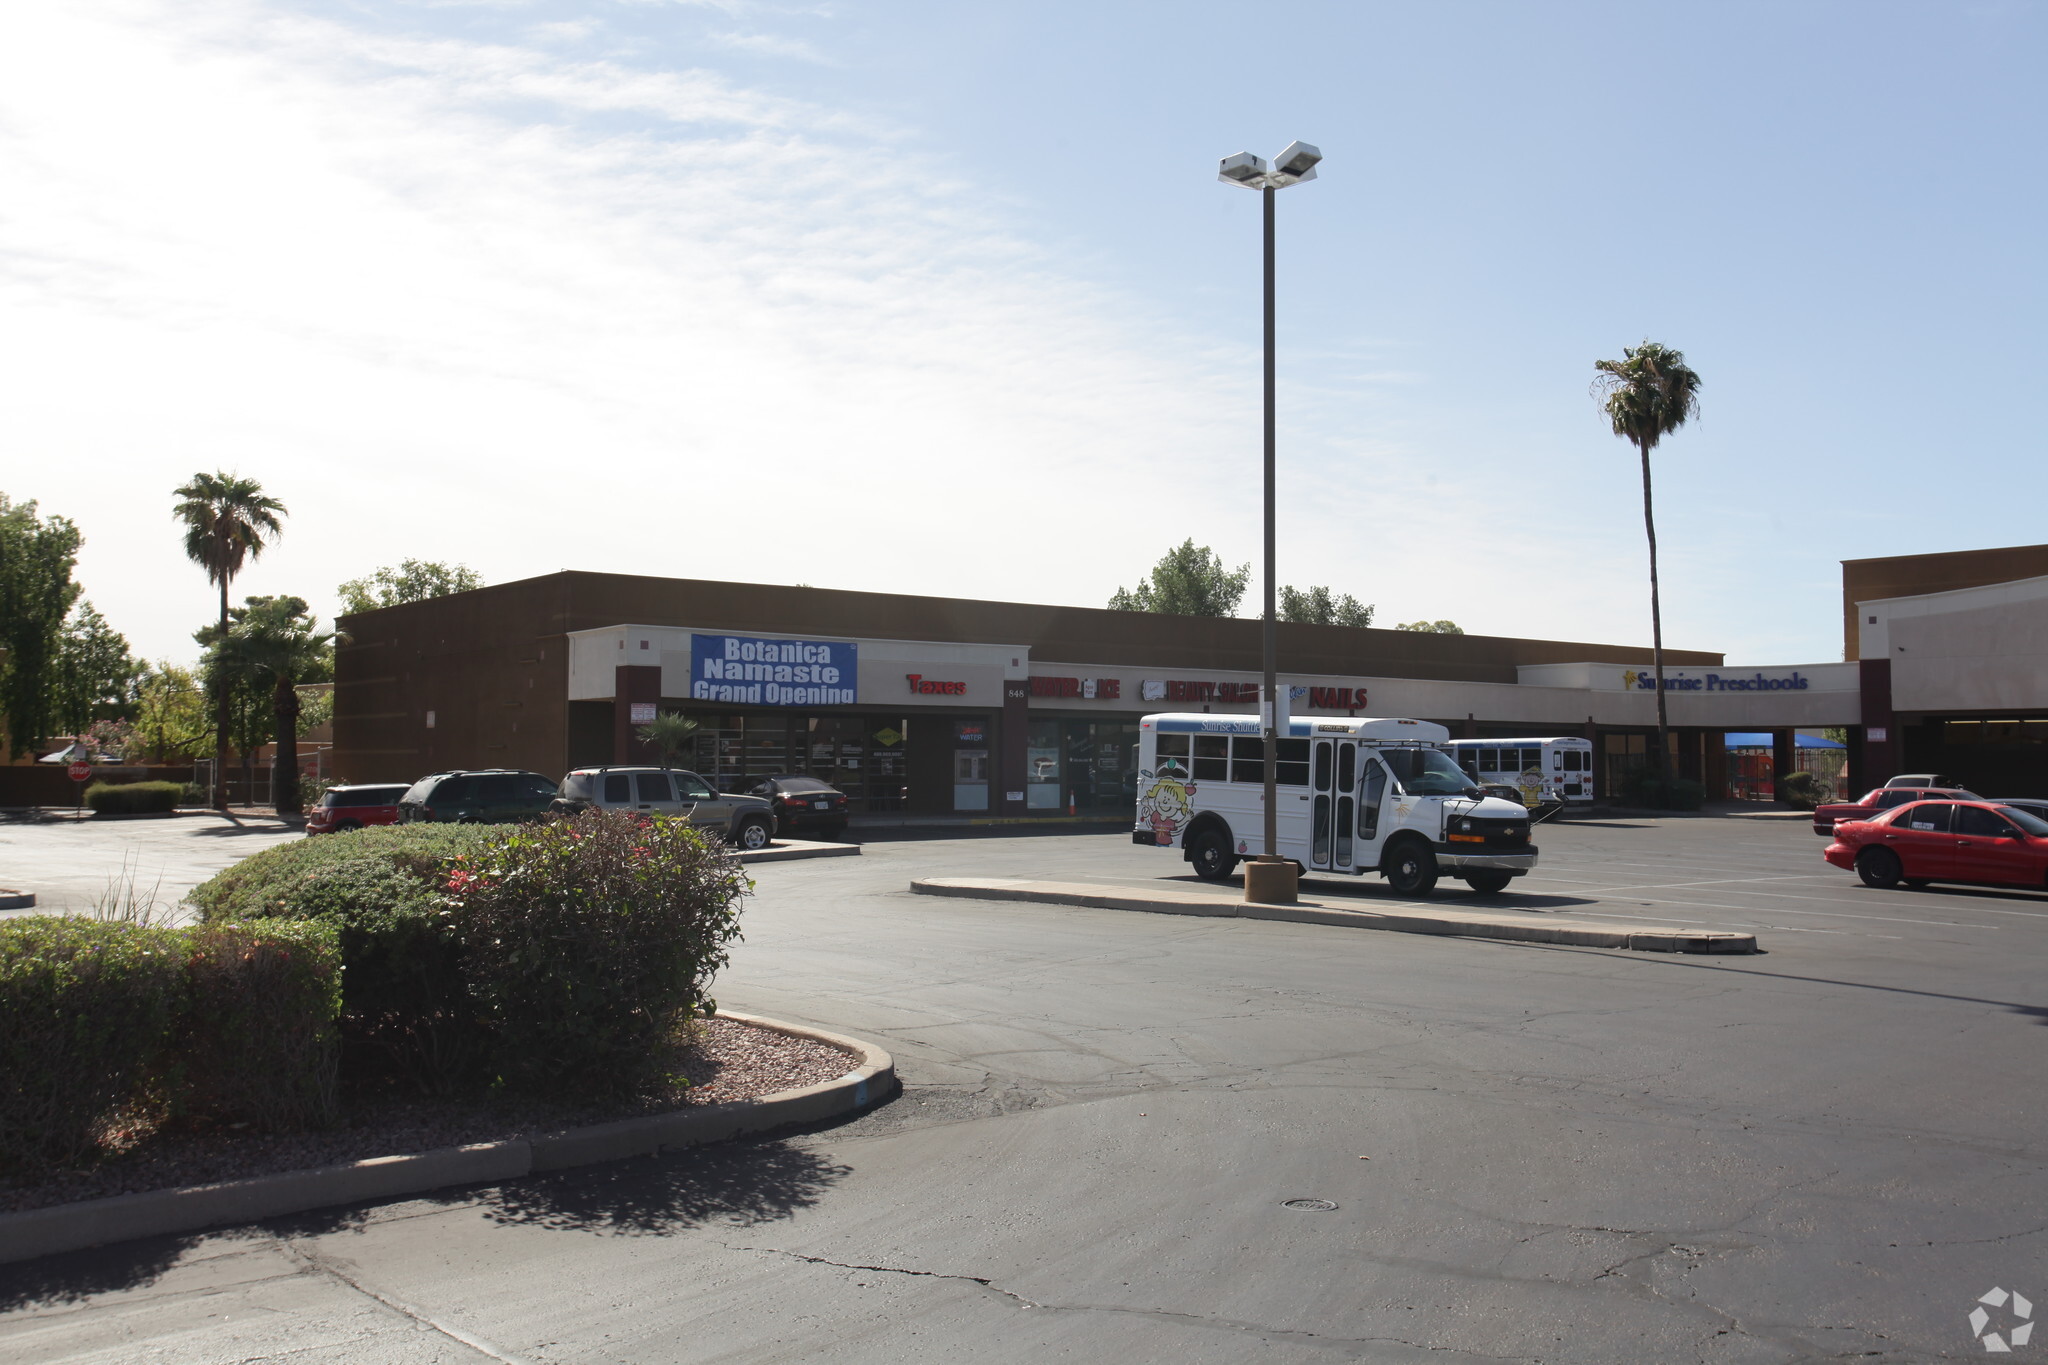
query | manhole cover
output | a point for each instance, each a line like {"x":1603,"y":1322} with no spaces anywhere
{"x":1309,"y":1205}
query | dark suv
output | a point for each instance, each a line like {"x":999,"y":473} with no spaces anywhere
{"x":490,"y":796}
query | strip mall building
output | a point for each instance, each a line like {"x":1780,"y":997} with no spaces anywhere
{"x":937,"y":706}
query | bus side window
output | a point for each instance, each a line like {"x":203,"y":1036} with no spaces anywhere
{"x":1489,"y":760}
{"x":1369,"y":794}
{"x":1212,"y":758}
{"x":1291,"y":758}
{"x":1248,"y":759}
{"x":1174,"y":746}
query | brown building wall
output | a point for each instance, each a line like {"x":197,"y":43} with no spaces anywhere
{"x":492,"y":664}
{"x":1867,"y":580}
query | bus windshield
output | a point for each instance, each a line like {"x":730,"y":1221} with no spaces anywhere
{"x":1427,"y":772}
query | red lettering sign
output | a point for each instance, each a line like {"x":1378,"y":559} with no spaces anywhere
{"x":928,"y":687}
{"x":1337,"y":698}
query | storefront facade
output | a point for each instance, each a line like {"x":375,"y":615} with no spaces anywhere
{"x":927,"y":706}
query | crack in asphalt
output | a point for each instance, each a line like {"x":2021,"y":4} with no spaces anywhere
{"x":318,"y":1264}
{"x":1206,"y":1320}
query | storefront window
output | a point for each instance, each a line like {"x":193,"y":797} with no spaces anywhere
{"x":1044,"y":788}
{"x":1102,"y":766}
{"x":862,"y":756}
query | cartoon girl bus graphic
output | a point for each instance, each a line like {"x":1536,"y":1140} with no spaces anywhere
{"x":1165,"y":806}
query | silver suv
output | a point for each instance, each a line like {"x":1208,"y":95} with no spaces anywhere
{"x":746,"y":822}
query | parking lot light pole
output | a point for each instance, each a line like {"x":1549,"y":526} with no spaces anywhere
{"x":1270,"y":879}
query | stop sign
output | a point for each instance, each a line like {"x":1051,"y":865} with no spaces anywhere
{"x":79,"y":772}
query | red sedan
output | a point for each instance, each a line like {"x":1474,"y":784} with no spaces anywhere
{"x":1879,"y":801}
{"x":1945,"y":841}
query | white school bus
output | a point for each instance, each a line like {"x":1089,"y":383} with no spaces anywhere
{"x":1548,"y":772}
{"x":1355,"y":796}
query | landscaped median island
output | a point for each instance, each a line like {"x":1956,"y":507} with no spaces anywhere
{"x":397,"y":991}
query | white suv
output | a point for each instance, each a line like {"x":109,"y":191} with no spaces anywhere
{"x":746,"y":822}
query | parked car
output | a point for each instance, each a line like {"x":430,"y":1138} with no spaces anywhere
{"x":352,"y":807}
{"x":744,"y":821}
{"x":1935,"y":780}
{"x":489,"y":796}
{"x":1945,"y":841}
{"x":803,"y":803}
{"x":2032,"y":805}
{"x":1827,"y":815}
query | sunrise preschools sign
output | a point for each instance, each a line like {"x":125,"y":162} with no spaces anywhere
{"x":1717,"y":682}
{"x":751,"y":671}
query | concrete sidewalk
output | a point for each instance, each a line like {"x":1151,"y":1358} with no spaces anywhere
{"x":1515,"y":926}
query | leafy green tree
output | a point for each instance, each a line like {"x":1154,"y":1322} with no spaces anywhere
{"x":668,"y":734}
{"x":36,"y":593}
{"x":273,"y":644}
{"x":1320,"y":607}
{"x":93,"y":676}
{"x":1188,"y":580}
{"x":414,"y":580}
{"x":1433,"y":627}
{"x":226,"y":518}
{"x":170,"y":713}
{"x":1648,"y":394}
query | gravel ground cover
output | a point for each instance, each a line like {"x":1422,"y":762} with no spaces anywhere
{"x":727,"y":1061}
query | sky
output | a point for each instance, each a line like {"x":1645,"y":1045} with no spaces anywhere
{"x":946,"y":298}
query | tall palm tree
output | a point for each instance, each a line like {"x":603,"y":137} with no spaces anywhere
{"x":226,"y":519}
{"x":1648,"y":394}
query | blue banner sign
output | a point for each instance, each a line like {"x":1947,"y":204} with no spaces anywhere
{"x":750,"y":671}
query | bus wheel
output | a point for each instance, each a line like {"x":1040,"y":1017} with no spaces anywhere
{"x":1489,"y":883}
{"x":1213,"y":860}
{"x":1411,"y":868}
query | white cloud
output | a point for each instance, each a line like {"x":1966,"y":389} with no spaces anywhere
{"x":443,"y":302}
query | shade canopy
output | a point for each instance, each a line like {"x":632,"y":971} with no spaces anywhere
{"x":1761,"y":739}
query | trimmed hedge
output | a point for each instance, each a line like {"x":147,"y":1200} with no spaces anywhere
{"x":134,"y":798}
{"x":404,"y":1012}
{"x":87,"y":1013}
{"x":555,"y":959}
{"x":103,"y":1022}
{"x":259,"y":1044}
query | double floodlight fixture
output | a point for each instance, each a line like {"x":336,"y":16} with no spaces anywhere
{"x":1296,"y":164}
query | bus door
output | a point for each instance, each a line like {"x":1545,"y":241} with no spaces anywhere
{"x":1333,"y":802}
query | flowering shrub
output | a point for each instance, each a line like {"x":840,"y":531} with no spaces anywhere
{"x":588,"y":944}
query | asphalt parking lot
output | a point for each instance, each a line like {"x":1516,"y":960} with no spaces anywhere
{"x":1829,"y":1150}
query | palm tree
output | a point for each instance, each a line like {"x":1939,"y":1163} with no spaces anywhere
{"x":1648,"y":394}
{"x":669,"y":734}
{"x":226,"y":519}
{"x":274,"y":640}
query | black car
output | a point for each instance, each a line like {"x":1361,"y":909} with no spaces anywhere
{"x":490,"y":796}
{"x":803,"y":803}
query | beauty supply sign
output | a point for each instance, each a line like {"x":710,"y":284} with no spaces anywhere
{"x":750,"y":670}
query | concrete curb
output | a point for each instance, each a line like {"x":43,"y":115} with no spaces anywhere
{"x":789,"y":850}
{"x":124,"y":1217}
{"x":1406,"y":920}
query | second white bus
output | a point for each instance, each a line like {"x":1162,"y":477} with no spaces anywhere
{"x":1547,"y":772}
